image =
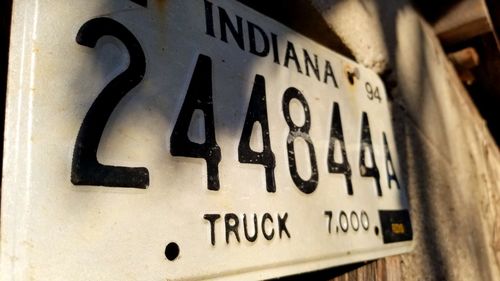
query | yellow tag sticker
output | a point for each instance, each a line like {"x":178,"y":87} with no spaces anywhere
{"x":398,"y":228}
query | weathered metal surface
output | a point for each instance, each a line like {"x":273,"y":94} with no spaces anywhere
{"x":131,"y":150}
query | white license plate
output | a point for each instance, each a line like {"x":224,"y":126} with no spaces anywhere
{"x":190,"y":140}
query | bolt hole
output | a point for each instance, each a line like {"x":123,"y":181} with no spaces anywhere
{"x":172,"y":251}
{"x":376,"y":230}
{"x":350,"y":77}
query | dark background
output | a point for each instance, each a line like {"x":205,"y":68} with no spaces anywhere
{"x":5,"y":16}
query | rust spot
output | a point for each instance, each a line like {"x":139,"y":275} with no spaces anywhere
{"x":351,"y":75}
{"x":161,"y":4}
{"x":160,"y":9}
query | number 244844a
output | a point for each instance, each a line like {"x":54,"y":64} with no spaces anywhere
{"x":86,"y":170}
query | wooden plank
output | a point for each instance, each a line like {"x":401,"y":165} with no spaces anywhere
{"x":466,"y":20}
{"x":387,"y":269}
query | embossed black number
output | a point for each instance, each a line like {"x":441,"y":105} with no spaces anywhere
{"x":198,"y":97}
{"x":86,"y":170}
{"x":337,"y":136}
{"x":306,"y":186}
{"x":391,"y":173}
{"x":366,"y":146}
{"x":257,"y":112}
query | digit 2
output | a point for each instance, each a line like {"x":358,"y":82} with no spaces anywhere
{"x":86,"y":170}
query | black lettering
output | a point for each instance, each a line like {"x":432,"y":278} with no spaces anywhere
{"x":329,"y":73}
{"x":365,"y":221}
{"x":354,"y":221}
{"x":372,"y":93}
{"x":257,"y":112}
{"x":225,"y":23}
{"x":310,"y":63}
{"x":274,"y":43}
{"x":212,"y":218}
{"x":343,"y":221}
{"x":337,"y":135}
{"x":329,"y":214}
{"x":247,"y":236}
{"x":231,"y":227}
{"x":198,"y":96}
{"x":366,"y":145}
{"x":290,"y":54}
{"x":266,"y":217}
{"x":391,"y":174}
{"x":253,"y":44}
{"x":85,"y":169}
{"x":282,"y":225}
{"x":307,"y":186}
{"x":209,"y":19}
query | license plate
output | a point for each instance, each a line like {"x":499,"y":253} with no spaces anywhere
{"x":153,"y":140}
